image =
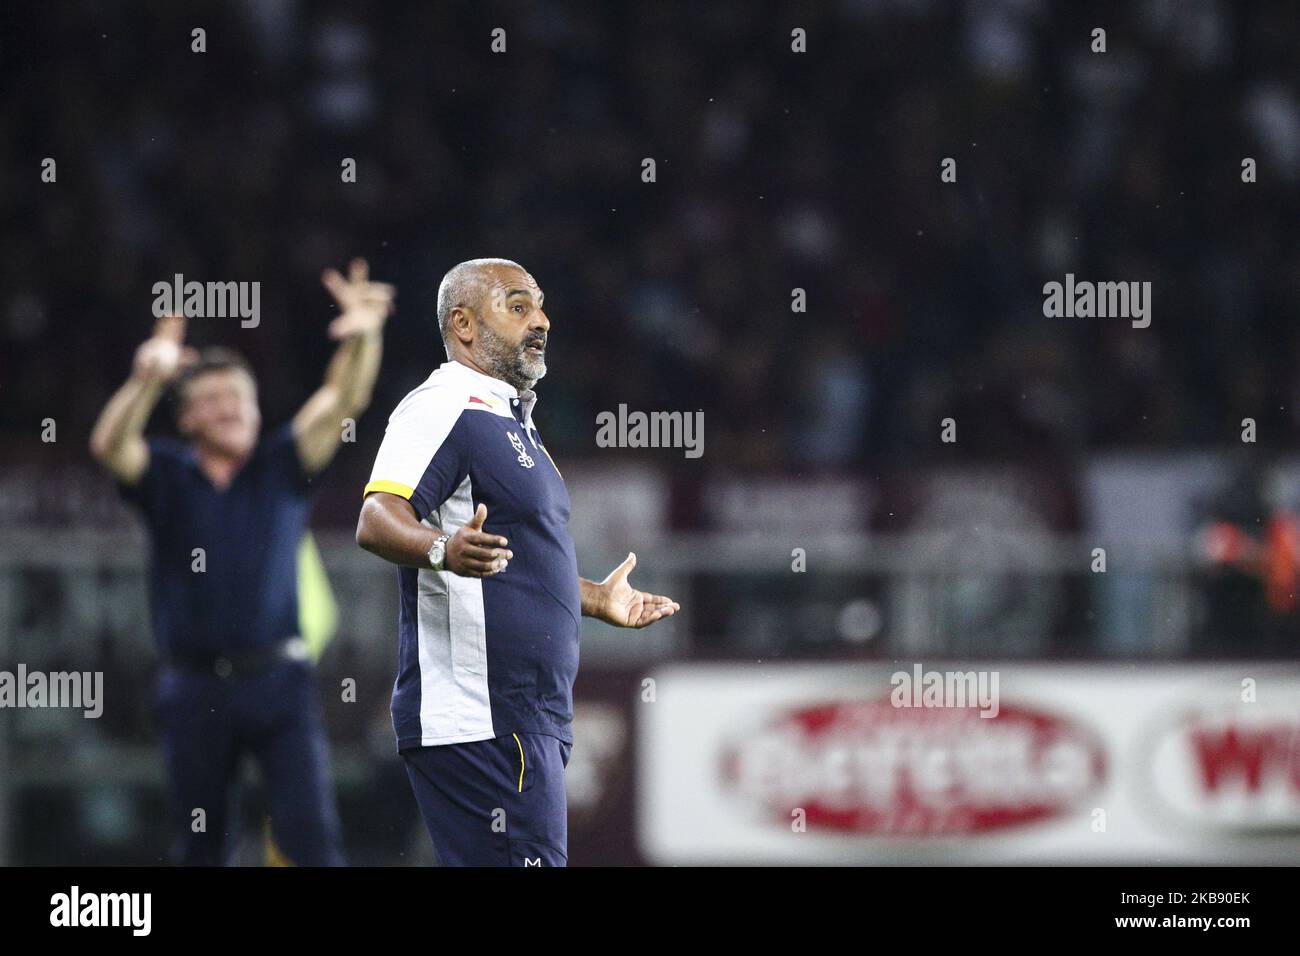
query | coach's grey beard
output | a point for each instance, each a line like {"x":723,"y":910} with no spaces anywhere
{"x":510,"y":363}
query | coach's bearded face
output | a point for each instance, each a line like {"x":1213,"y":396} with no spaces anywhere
{"x":521,"y":363}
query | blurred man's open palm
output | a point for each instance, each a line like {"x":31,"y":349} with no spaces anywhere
{"x":364,"y":306}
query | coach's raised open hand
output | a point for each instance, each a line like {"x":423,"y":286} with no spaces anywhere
{"x":616,"y":602}
{"x":117,"y":441}
{"x":364,"y":306}
{"x":161,"y":357}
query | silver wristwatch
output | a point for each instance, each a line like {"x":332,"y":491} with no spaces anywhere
{"x":438,"y":553}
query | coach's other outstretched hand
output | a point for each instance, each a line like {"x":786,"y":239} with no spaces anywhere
{"x":622,"y":605}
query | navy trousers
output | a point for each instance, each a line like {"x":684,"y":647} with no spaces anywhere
{"x":498,"y":802}
{"x":209,"y":724}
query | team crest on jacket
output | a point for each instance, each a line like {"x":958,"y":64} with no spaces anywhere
{"x":524,"y":459}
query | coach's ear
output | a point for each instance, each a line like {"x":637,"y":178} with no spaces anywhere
{"x":461,"y":322}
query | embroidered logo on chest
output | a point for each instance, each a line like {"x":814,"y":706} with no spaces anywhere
{"x":524,"y":459}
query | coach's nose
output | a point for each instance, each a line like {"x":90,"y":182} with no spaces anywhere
{"x":541,"y":323}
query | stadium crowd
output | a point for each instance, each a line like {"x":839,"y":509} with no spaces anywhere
{"x":775,"y":170}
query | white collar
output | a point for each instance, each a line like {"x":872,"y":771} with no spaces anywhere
{"x":526,"y":399}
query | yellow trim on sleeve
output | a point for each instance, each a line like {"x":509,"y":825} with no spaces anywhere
{"x":521,"y":761}
{"x":392,"y":487}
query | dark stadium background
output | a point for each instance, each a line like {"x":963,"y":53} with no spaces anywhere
{"x":775,"y":171}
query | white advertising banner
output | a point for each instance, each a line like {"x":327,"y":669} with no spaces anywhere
{"x":947,"y":763}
